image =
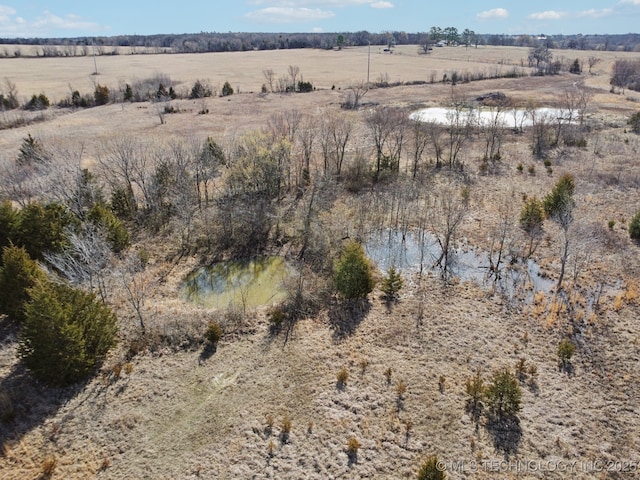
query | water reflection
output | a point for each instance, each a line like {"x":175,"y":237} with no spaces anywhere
{"x":248,"y":283}
{"x":416,"y":252}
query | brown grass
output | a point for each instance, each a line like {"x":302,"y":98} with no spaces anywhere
{"x":170,"y":413}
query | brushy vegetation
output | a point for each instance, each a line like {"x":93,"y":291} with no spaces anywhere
{"x":634,"y":226}
{"x":431,"y":469}
{"x":503,"y":394}
{"x":66,"y":333}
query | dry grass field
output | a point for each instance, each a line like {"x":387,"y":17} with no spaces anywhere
{"x":175,"y":411}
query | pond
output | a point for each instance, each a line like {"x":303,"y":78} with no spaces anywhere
{"x":510,"y":118}
{"x":413,"y":252}
{"x":239,"y":283}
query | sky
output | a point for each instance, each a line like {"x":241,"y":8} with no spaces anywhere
{"x":66,"y":18}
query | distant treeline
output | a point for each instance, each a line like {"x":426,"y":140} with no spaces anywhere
{"x":236,"y":42}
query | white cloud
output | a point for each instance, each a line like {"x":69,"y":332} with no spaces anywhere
{"x":493,"y":13}
{"x":594,"y":13}
{"x":548,"y":15}
{"x":382,"y":5}
{"x":289,"y":15}
{"x":46,"y":25}
{"x":6,"y":11}
{"x":630,"y":2}
{"x":301,"y":3}
{"x":321,"y":3}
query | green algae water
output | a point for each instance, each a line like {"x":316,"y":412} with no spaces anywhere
{"x":251,"y":283}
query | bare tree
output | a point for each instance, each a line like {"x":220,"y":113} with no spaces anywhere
{"x":306,"y":136}
{"x":419,"y":139}
{"x":448,"y":212}
{"x":592,"y":61}
{"x":457,"y":131}
{"x":386,"y":128}
{"x":137,"y":282}
{"x":493,"y":130}
{"x":355,"y":93}
{"x":564,"y":218}
{"x":294,"y":71}
{"x":269,"y":76}
{"x":340,"y":128}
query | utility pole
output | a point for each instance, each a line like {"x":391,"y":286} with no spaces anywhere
{"x":368,"y":63}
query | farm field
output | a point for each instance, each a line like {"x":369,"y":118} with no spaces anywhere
{"x":268,"y":402}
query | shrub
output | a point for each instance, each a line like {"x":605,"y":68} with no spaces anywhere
{"x":117,"y":234}
{"x":474,"y":388}
{"x":352,"y":447}
{"x":634,"y":122}
{"x":392,"y":283}
{"x":431,"y":469}
{"x":18,"y":274}
{"x":38,"y":102}
{"x":353,"y":276}
{"x":227,"y":89}
{"x":32,"y":152}
{"x":42,"y":228}
{"x":634,"y":226}
{"x":342,"y":376}
{"x":532,"y":215}
{"x":560,"y":197}
{"x":575,"y":67}
{"x":285,"y":429}
{"x":566,"y":349}
{"x":200,"y":90}
{"x":101,"y":95}
{"x":8,"y":222}
{"x":305,"y":87}
{"x":66,"y":333}
{"x":213,"y":334}
{"x":128,"y":93}
{"x":503,"y":394}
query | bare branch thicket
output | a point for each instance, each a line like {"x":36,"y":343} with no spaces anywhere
{"x":85,"y":260}
{"x":448,"y":211}
{"x":541,"y":133}
{"x":460,"y":123}
{"x":387,"y":128}
{"x":306,"y":136}
{"x":419,"y":139}
{"x":493,"y":130}
{"x":284,"y":125}
{"x":117,"y":162}
{"x":341,"y":128}
{"x":138,"y":282}
{"x":207,"y":163}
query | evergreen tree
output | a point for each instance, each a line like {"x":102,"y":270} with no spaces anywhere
{"x":117,"y":235}
{"x":18,"y":274}
{"x":392,"y":283}
{"x":560,"y":197}
{"x":353,"y":276}
{"x":66,"y":333}
{"x":503,"y":394}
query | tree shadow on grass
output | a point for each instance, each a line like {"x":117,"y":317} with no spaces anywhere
{"x":506,"y":433}
{"x":345,"y":316}
{"x":26,"y":403}
{"x":207,"y":352}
